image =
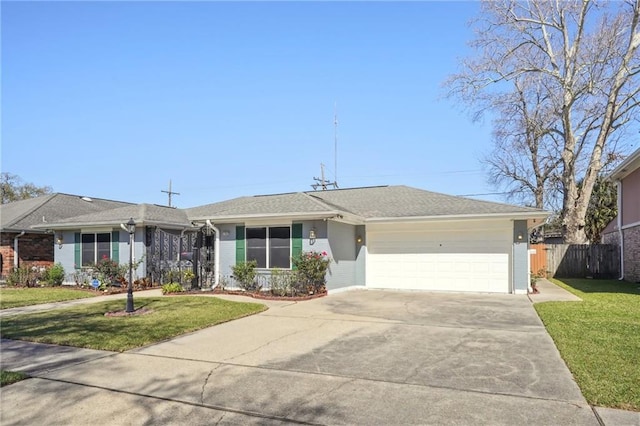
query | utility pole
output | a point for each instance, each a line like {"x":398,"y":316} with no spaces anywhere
{"x":322,"y":182}
{"x":170,"y":192}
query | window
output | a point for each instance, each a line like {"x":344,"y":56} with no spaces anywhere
{"x":270,"y":247}
{"x":95,"y":247}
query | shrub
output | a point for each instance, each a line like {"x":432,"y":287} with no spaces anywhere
{"x":108,"y":270}
{"x":282,"y":282}
{"x":54,"y":275}
{"x":312,"y":269}
{"x":18,"y":276}
{"x":172,"y":288}
{"x":245,"y":274}
{"x":25,"y":276}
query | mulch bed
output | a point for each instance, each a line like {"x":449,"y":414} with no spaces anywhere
{"x":259,"y":295}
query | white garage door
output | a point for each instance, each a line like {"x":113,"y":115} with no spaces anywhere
{"x":451,"y":256}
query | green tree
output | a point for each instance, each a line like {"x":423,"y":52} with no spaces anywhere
{"x":14,"y":189}
{"x":602,"y":209}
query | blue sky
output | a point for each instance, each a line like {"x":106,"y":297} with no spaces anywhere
{"x":114,"y":99}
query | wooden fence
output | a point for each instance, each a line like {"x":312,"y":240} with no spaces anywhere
{"x":576,"y":260}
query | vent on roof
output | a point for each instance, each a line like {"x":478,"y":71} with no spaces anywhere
{"x":86,"y":199}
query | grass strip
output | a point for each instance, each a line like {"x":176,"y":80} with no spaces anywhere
{"x":87,"y":326}
{"x":10,"y":377}
{"x":599,"y":339}
{"x":18,"y":297}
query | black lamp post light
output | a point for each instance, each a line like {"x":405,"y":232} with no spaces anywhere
{"x":131,"y":228}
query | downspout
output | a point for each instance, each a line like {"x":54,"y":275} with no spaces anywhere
{"x":15,"y":249}
{"x":216,"y":254}
{"x":619,"y":223}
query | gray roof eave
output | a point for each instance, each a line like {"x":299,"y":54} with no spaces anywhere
{"x":113,"y":224}
{"x":627,"y":167}
{"x":513,"y":216}
{"x":257,"y":217}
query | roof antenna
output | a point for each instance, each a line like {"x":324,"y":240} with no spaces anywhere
{"x":170,"y":192}
{"x":321,"y":181}
{"x":335,"y":145}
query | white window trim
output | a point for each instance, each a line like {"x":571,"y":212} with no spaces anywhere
{"x":268,"y":246}
{"x":95,"y":246}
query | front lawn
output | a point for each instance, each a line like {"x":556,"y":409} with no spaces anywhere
{"x":87,"y":326}
{"x":17,"y":297}
{"x":10,"y":377}
{"x":599,"y":339}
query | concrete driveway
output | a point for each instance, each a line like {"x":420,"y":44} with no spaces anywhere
{"x":361,"y":357}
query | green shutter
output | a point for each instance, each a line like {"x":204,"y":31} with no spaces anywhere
{"x":77,"y":251}
{"x":115,"y":246}
{"x":240,"y":244}
{"x":296,"y":240}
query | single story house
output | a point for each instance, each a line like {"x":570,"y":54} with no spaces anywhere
{"x":624,"y":229}
{"x":24,"y":246}
{"x":384,"y":237}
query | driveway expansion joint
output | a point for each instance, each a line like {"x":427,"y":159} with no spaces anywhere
{"x":180,"y":401}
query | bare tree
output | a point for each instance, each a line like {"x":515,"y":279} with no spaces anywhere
{"x":576,"y":60}
{"x":526,"y":154}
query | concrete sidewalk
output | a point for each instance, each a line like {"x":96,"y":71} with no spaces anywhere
{"x":549,"y":292}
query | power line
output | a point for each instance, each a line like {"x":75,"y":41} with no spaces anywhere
{"x":487,"y":193}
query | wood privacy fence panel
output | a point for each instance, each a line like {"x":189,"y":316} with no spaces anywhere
{"x":539,"y":259}
{"x":583,"y":260}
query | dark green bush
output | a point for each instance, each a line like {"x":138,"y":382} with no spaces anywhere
{"x":172,"y":288}
{"x":54,"y":275}
{"x":245,"y":274}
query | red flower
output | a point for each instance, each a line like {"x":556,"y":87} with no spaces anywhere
{"x":324,"y":253}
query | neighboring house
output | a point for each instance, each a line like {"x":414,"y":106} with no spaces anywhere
{"x":21,"y":244}
{"x":392,"y":237}
{"x":624,"y":230}
{"x":160,"y":235}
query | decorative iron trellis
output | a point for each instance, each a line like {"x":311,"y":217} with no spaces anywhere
{"x":170,"y":253}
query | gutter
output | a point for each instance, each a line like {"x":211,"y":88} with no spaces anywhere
{"x":15,"y":249}
{"x":287,"y":216}
{"x":518,"y":215}
{"x":216,"y":254}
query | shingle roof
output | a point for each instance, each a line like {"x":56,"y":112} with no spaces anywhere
{"x":23,"y":215}
{"x":142,"y":214}
{"x":368,"y":203}
{"x":285,"y":204}
{"x":404,"y":201}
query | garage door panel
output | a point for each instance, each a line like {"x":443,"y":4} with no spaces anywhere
{"x":430,"y":259}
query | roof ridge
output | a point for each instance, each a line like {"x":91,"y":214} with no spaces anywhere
{"x":330,"y":204}
{"x":318,"y":201}
{"x":95,"y":198}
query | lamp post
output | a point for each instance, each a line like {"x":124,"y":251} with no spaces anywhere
{"x":131,"y":228}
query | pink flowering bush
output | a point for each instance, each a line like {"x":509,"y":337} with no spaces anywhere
{"x":312,"y":269}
